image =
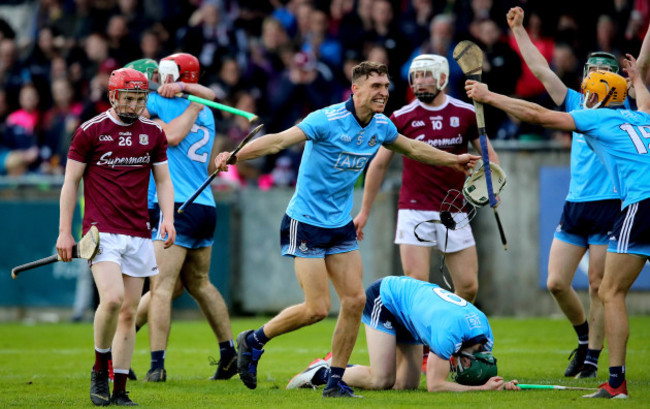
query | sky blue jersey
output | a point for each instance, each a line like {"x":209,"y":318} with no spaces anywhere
{"x":589,"y":178}
{"x":620,"y":138}
{"x":434,"y":316}
{"x":189,"y":160}
{"x":336,"y":152}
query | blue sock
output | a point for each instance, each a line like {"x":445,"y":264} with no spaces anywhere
{"x":583,"y":334}
{"x":257,"y":339}
{"x":336,"y":375}
{"x":158,"y":359}
{"x":616,"y":376}
{"x":227,"y":349}
{"x":592,"y":357}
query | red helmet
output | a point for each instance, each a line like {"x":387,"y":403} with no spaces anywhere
{"x":128,"y":81}
{"x":186,"y":70}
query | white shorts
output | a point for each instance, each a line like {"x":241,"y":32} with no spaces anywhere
{"x":134,"y":255}
{"x":435,"y":233}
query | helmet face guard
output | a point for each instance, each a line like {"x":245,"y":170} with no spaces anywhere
{"x":128,"y":91}
{"x":600,"y":61}
{"x":483,"y":366}
{"x":428,"y":66}
{"x":610,"y":88}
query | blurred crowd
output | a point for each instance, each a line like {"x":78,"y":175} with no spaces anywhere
{"x":280,"y":59}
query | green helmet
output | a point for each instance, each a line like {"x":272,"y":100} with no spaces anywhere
{"x":147,"y":66}
{"x":482,"y":367}
{"x":602,"y":61}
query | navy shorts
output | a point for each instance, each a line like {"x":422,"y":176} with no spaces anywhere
{"x":194,"y":227}
{"x":298,"y":239}
{"x":586,"y":223}
{"x":377,"y":316}
{"x":631,"y":234}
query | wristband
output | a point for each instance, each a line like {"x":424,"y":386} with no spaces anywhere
{"x":181,"y":85}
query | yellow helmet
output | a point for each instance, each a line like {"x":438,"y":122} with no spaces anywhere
{"x":610,"y":88}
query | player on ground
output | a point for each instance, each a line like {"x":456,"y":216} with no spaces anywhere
{"x":317,"y":230}
{"x":448,"y":124}
{"x":619,"y":138}
{"x":190,"y":131}
{"x":403,"y":313}
{"x":589,"y":211}
{"x":115,"y":153}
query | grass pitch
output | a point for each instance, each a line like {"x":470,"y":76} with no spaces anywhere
{"x":48,"y":365}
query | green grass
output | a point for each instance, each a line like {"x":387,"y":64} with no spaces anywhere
{"x":48,"y":365}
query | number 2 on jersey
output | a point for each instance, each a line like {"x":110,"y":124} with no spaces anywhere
{"x":638,"y":140}
{"x":192,"y":152}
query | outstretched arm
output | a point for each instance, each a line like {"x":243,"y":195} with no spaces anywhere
{"x":374,"y":177}
{"x":523,"y":110}
{"x":438,"y":371}
{"x":534,"y":59}
{"x":266,"y":145}
{"x":422,"y":152}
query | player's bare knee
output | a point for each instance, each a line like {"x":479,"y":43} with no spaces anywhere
{"x":556,"y":287}
{"x":317,"y":311}
{"x":382,"y":382}
{"x":354,"y":303}
{"x":112,"y":303}
{"x":468,"y":291}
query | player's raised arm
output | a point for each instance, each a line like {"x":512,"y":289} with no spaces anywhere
{"x":642,"y":94}
{"x":644,"y":59}
{"x":534,"y":58}
{"x":523,"y":110}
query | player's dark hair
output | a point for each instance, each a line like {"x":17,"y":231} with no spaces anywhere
{"x":366,"y":68}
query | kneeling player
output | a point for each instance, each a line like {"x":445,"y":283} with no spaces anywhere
{"x":401,"y":314}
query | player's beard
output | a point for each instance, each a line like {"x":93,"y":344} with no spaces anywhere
{"x":426,"y":97}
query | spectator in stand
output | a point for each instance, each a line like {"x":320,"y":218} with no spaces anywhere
{"x":318,"y":42}
{"x":11,"y":70}
{"x":385,"y":32}
{"x":60,"y":122}
{"x":136,"y":21}
{"x":338,"y":10}
{"x":121,"y":46}
{"x":22,"y":132}
{"x":355,"y":25}
{"x":302,"y":89}
{"x":500,"y":65}
{"x":441,"y":42}
{"x":378,"y":53}
{"x":414,"y":23}
{"x":151,"y":46}
{"x":96,"y":52}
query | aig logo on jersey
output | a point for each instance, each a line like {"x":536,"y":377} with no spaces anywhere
{"x":351,"y":161}
{"x":454,"y":121}
{"x":144,"y":139}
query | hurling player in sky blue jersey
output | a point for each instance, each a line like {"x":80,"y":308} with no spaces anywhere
{"x":317,"y":230}
{"x":588,"y":215}
{"x":402,"y":314}
{"x":620,"y":139}
{"x":190,"y":130}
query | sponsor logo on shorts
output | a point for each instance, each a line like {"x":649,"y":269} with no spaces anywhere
{"x":99,"y":250}
{"x":303,"y":246}
{"x":388,"y":325}
{"x":558,"y":229}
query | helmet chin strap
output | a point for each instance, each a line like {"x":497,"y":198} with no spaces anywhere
{"x":127,"y":119}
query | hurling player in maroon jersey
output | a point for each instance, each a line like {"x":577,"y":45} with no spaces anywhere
{"x":447,"y":124}
{"x":114,"y":154}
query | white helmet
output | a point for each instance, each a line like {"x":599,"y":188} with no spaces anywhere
{"x":435,"y":64}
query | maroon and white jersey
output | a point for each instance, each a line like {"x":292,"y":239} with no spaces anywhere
{"x":118,"y":159}
{"x":448,"y":127}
